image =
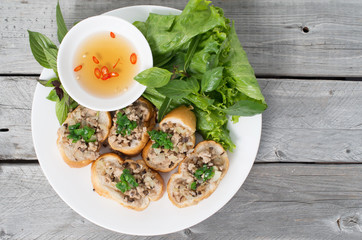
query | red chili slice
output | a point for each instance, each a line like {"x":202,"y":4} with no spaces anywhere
{"x":76,"y":69}
{"x":104,"y":70}
{"x":114,"y":74}
{"x":114,"y":66}
{"x":133,"y":58}
{"x":97,"y":72}
{"x":112,"y":35}
{"x":95,"y":60}
{"x":106,"y":76}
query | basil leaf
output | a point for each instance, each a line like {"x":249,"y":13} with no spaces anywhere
{"x":61,"y":110}
{"x":211,"y":79}
{"x":246,"y":107}
{"x":200,"y":101}
{"x":177,"y":89}
{"x":62,"y":29}
{"x":72,"y":104}
{"x":53,"y":96}
{"x":51,"y":56}
{"x":193,"y":84}
{"x":191,"y":51}
{"x":164,"y":108}
{"x":154,"y":77}
{"x":48,"y":83}
{"x":39,"y":42}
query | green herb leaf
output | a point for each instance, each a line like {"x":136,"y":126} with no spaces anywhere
{"x":161,"y":139}
{"x":193,"y":186}
{"x":124,"y":125}
{"x":72,"y":104}
{"x":75,"y":126}
{"x":61,"y":110}
{"x":191,"y":51}
{"x":62,"y":28}
{"x":204,"y":173}
{"x":51,"y":56}
{"x":164,"y":108}
{"x":209,"y":173}
{"x":246,"y":107}
{"x":76,"y":133}
{"x":200,"y":101}
{"x":53,"y":96}
{"x":154,"y":77}
{"x":211,"y":79}
{"x":177,"y":89}
{"x":48,"y":83}
{"x":127,"y":181}
{"x":38,"y":44}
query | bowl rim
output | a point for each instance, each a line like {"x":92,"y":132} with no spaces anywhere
{"x":76,"y":36}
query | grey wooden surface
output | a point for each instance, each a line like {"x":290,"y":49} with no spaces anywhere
{"x":270,"y":30}
{"x":307,"y":180}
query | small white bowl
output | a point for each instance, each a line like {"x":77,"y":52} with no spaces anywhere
{"x":71,"y":43}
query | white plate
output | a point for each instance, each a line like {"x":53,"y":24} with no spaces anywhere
{"x":161,"y":217}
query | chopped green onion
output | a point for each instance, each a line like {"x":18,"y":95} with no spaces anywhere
{"x":205,"y":171}
{"x":161,"y":139}
{"x":76,"y":133}
{"x":127,"y":181}
{"x":124,"y":125}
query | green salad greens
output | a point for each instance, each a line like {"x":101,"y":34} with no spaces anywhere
{"x":199,"y":61}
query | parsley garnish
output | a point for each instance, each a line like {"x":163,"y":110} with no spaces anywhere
{"x":76,"y":133}
{"x":124,"y":125}
{"x":207,"y":172}
{"x":127,"y":181}
{"x":161,"y":139}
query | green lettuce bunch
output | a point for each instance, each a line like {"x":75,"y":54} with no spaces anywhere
{"x":199,"y":61}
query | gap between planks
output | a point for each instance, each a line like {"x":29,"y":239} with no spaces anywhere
{"x":268,"y":77}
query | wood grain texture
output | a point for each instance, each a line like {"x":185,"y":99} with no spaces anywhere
{"x":16,"y":96}
{"x":307,"y":121}
{"x":311,"y":121}
{"x":271,"y":32}
{"x":277,"y":201}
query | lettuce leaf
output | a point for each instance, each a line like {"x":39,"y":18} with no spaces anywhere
{"x":167,"y":34}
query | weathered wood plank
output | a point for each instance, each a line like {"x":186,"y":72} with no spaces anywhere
{"x":307,"y":121}
{"x":277,"y":201}
{"x":16,"y":96}
{"x":270,"y":30}
{"x":311,"y":121}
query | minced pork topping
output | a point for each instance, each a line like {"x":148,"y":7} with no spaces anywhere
{"x":182,"y":146}
{"x":82,"y":150}
{"x":208,"y":157}
{"x":137,"y":112}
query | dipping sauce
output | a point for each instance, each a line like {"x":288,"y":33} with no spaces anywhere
{"x":105,"y":64}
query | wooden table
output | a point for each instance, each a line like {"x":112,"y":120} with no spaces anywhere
{"x":307,"y":179}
